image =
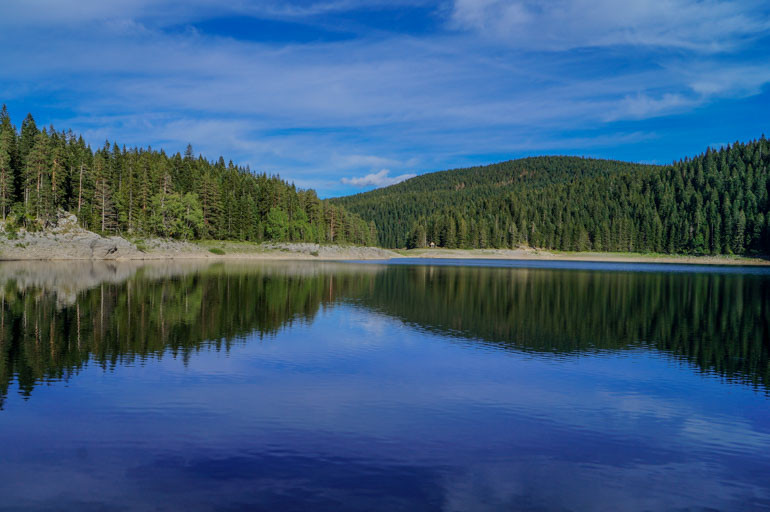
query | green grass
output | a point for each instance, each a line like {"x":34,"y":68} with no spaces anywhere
{"x":217,"y":250}
{"x":230,"y":246}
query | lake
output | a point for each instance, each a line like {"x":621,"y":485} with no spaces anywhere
{"x":412,"y":385}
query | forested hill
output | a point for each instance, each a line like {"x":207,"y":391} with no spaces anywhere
{"x":715,"y":203}
{"x":141,"y":192}
{"x":468,"y":196}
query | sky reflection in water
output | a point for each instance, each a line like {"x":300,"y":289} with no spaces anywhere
{"x":350,"y":387}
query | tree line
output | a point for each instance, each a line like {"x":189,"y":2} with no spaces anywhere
{"x":145,"y":192}
{"x":715,"y":203}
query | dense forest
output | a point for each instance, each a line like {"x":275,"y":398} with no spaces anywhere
{"x":715,"y":203}
{"x":145,"y":192}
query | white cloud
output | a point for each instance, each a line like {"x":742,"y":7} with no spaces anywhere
{"x":377,"y":179}
{"x":702,"y":25}
{"x":735,"y":80}
{"x":643,"y":106}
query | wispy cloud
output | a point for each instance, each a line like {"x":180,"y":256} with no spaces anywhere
{"x":702,"y":25}
{"x":643,"y":106}
{"x":736,"y":80}
{"x":377,"y":179}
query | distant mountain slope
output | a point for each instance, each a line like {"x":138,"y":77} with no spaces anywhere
{"x":395,"y":209}
{"x":714,"y":203}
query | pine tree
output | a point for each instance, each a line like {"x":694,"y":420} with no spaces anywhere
{"x":57,"y":173}
{"x":7,"y":174}
{"x":36,"y":184}
{"x":29,"y":132}
{"x":104,"y":208}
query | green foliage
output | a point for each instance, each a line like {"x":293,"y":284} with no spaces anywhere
{"x":177,"y":216}
{"x":277,"y":225}
{"x":7,"y":172}
{"x":217,"y":250}
{"x":299,"y":228}
{"x":715,"y":203}
{"x":144,"y":192}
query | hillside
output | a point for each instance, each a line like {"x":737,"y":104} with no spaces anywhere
{"x":397,"y":208}
{"x":715,"y":203}
{"x":145,"y":192}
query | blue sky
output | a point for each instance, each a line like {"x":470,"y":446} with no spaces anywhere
{"x":343,"y":96}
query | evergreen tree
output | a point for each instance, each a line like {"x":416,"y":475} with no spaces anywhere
{"x":277,"y":225}
{"x":27,"y":138}
{"x":7,"y":173}
{"x":104,"y":208}
{"x":36,"y":184}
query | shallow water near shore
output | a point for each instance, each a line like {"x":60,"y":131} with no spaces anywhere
{"x":411,"y":385}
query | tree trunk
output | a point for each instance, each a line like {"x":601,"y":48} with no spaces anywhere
{"x":104,"y":204}
{"x":130,"y":207}
{"x":80,"y":190}
{"x":37,"y":206}
{"x":53,"y":182}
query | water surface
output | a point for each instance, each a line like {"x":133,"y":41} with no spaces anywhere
{"x":409,"y":386}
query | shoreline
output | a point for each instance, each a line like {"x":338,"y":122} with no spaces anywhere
{"x":47,"y":248}
{"x":88,"y":246}
{"x":599,"y":257}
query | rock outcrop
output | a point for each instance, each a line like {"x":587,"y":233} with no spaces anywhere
{"x":64,"y":240}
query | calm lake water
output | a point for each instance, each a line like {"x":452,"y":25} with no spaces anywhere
{"x":364,"y":386}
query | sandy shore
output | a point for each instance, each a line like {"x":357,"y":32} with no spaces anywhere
{"x":536,"y":254}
